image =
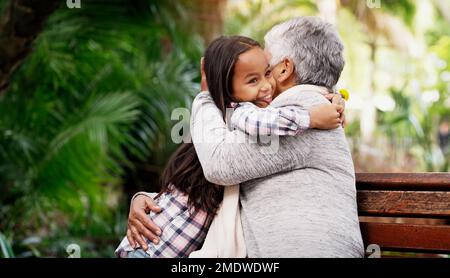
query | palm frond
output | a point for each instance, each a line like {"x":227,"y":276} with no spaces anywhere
{"x":5,"y":248}
{"x":95,"y":95}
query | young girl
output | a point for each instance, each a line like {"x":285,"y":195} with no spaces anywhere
{"x":238,"y":75}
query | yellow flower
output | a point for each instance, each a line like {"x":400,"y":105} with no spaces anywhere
{"x":344,"y":93}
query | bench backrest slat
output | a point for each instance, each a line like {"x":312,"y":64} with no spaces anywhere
{"x":406,"y":237}
{"x":404,"y":203}
{"x":404,"y":181}
{"x":386,"y":197}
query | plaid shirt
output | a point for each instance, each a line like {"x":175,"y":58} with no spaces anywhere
{"x":183,"y":229}
{"x":254,"y":121}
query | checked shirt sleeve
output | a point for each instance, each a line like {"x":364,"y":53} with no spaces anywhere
{"x":256,"y":121}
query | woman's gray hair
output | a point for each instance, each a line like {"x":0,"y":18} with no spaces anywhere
{"x":313,"y":45}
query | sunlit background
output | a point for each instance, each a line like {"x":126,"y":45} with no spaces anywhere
{"x":85,"y":113}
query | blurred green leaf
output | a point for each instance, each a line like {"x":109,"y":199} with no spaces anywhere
{"x":5,"y":248}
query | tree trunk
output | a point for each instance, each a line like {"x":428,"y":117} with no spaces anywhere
{"x":20,"y":24}
{"x":207,"y":17}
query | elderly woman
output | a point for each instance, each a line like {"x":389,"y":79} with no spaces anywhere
{"x":298,"y":199}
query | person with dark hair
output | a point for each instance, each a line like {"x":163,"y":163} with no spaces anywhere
{"x":237,"y":71}
{"x":299,"y":201}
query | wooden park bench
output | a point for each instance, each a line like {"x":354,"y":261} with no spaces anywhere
{"x":404,"y":213}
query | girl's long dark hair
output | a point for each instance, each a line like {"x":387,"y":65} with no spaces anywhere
{"x":183,"y":170}
{"x":220,"y":59}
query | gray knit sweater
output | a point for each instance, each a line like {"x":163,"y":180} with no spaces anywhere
{"x":298,"y":200}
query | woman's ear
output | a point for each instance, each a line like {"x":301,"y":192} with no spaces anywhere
{"x":286,"y":69}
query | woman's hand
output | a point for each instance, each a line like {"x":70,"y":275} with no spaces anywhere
{"x":139,"y":224}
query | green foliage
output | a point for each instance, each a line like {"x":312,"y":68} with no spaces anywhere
{"x":258,"y":16}
{"x":405,"y":9}
{"x":398,"y":69}
{"x":5,"y":248}
{"x":412,"y":125}
{"x":91,"y":107}
{"x":94,"y":97}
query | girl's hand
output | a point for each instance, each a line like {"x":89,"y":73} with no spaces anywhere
{"x":203,"y":84}
{"x":338,"y":100}
{"x":139,"y":225}
{"x":325,"y":116}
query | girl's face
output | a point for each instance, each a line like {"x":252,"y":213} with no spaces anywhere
{"x":252,"y":79}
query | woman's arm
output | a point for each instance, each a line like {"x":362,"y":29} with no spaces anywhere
{"x":231,"y":157}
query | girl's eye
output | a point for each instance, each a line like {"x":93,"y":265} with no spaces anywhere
{"x":253,"y":81}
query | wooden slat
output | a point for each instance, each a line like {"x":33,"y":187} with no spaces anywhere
{"x":407,"y":237}
{"x":404,"y":203}
{"x":404,"y":181}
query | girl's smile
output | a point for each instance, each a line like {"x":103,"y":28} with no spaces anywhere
{"x":267,"y":99}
